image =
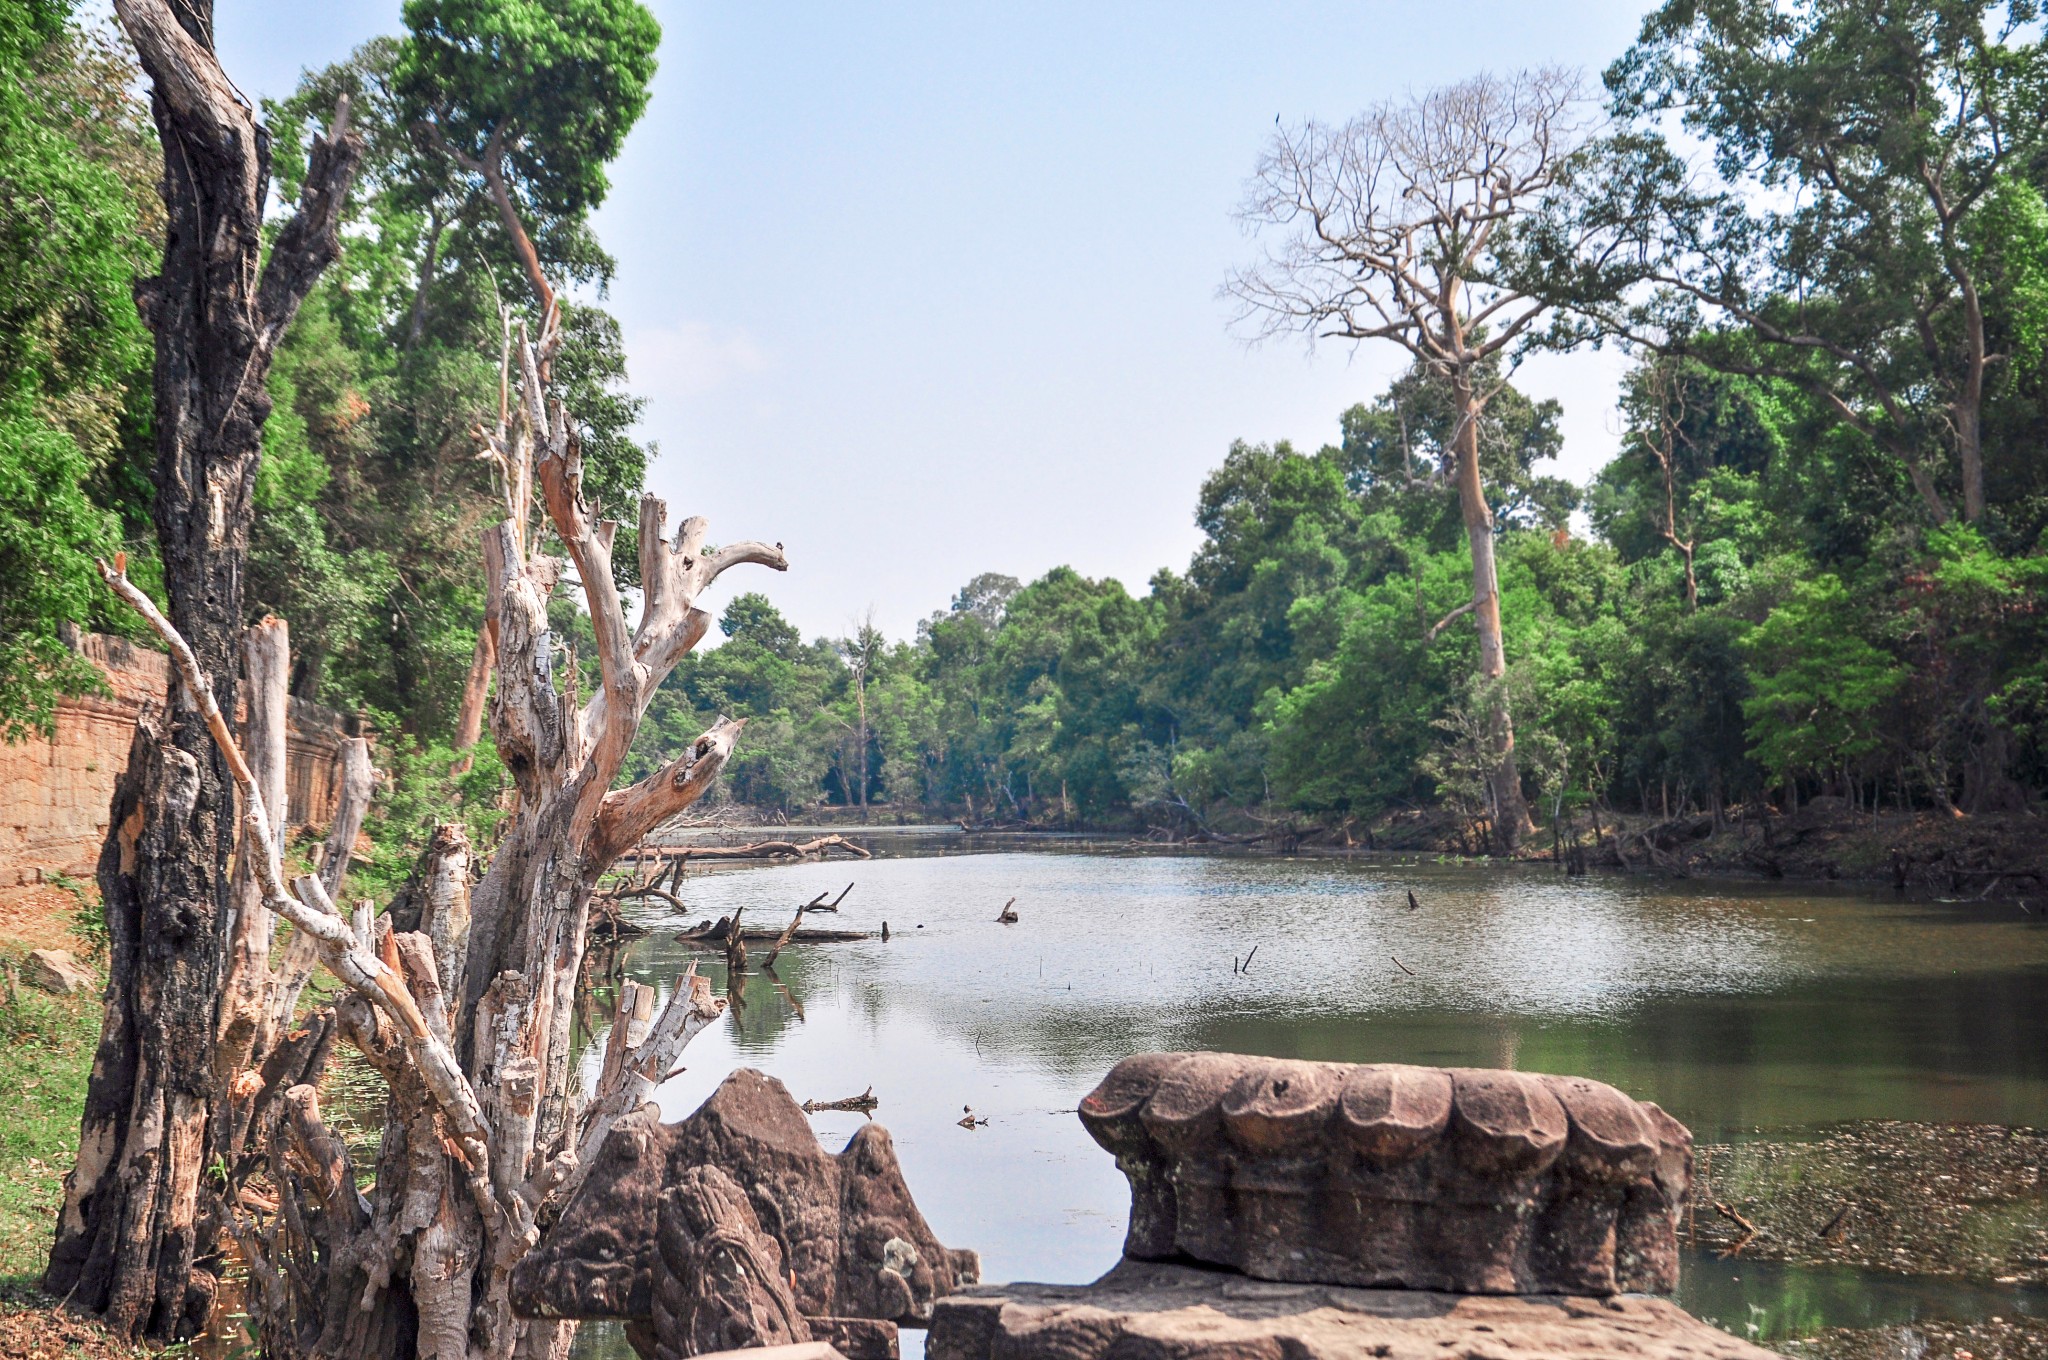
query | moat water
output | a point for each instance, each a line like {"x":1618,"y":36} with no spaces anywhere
{"x":1741,"y":1008}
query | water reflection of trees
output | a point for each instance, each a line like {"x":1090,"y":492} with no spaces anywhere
{"x":1886,"y":1013}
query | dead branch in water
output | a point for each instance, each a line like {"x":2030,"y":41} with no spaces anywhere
{"x":719,"y":931}
{"x":819,"y":903}
{"x":782,"y":940}
{"x":761,"y":850}
{"x":735,"y":952}
{"x":864,"y":1103}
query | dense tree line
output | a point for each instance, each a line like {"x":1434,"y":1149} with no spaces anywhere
{"x":370,"y":494}
{"x":1814,"y":567}
{"x":1312,"y":658}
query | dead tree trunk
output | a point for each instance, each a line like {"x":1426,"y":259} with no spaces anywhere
{"x":1388,"y":229}
{"x":137,"y":1239}
{"x":509,"y":449}
{"x":464,"y":1000}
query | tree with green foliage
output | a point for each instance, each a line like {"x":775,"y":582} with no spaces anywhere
{"x":531,"y":99}
{"x":1818,"y":685}
{"x":1864,"y":224}
{"x":382,"y":387}
{"x":79,"y":222}
{"x":529,"y":102}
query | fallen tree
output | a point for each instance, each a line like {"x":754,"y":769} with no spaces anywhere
{"x":462,"y":997}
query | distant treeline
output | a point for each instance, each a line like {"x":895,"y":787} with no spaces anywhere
{"x":1313,"y":658}
{"x":1815,"y":567}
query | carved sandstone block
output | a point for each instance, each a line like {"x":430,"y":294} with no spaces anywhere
{"x":1461,"y":1180}
{"x":844,"y":1230}
{"x":721,"y":1286}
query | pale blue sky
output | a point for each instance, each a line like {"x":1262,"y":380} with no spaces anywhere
{"x":926,"y":290}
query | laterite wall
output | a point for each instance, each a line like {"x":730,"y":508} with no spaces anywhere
{"x":54,"y":794}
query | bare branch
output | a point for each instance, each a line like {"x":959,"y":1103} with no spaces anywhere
{"x":642,"y":1063}
{"x":1429,"y":634}
{"x":313,"y":912}
{"x":1387,"y":222}
{"x":628,"y":814}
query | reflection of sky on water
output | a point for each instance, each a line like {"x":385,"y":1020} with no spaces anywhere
{"x":1141,"y":935}
{"x":1735,"y":1006}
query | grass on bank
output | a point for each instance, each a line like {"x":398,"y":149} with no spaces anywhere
{"x":46,"y":1046}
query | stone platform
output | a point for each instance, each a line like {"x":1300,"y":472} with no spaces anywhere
{"x":1150,"y":1310}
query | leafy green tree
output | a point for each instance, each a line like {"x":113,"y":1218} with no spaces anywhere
{"x":1864,"y":223}
{"x":1400,"y":452}
{"x":376,"y":501}
{"x":530,"y":99}
{"x":1818,"y":685}
{"x":75,"y":232}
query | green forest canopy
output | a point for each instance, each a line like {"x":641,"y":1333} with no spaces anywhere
{"x":1787,"y":580}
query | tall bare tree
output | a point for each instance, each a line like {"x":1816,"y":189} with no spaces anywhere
{"x":141,"y":1222}
{"x":1389,"y":227}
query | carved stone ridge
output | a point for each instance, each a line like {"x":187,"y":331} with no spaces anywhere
{"x":1458,"y":1180}
{"x":744,"y":1174}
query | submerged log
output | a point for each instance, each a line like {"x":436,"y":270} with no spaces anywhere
{"x":819,"y":903}
{"x":760,"y":850}
{"x":788,"y":933}
{"x":864,"y":1103}
{"x":717,"y":932}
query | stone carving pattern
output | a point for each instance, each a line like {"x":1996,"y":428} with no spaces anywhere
{"x":1460,"y":1180}
{"x":721,"y":1284}
{"x":847,"y":1238}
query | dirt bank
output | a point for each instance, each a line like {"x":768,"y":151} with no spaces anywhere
{"x":2001,"y":856}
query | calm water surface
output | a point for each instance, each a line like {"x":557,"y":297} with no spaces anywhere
{"x":1739,"y":1008}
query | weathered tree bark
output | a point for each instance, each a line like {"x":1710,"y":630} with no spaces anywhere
{"x":1504,"y":780}
{"x":245,"y":997}
{"x":511,"y":446}
{"x":463,"y":1001}
{"x":137,"y":1239}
